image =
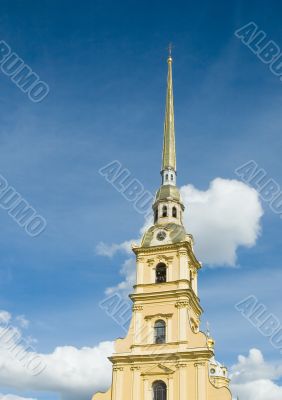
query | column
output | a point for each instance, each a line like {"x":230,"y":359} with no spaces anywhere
{"x":135,"y":383}
{"x":194,"y":282}
{"x":169,"y":272}
{"x":201,"y":388}
{"x":169,"y":330}
{"x":170,"y":388}
{"x":183,"y":264}
{"x":148,"y":331}
{"x":146,"y":390}
{"x":182,"y":319}
{"x":182,"y":381}
{"x":150,"y":264}
{"x":117,"y":383}
{"x":114,"y":383}
{"x":138,"y":328}
{"x":140,"y":271}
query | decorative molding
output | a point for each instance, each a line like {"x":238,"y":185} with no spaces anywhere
{"x":199,"y":364}
{"x":182,"y":304}
{"x":163,"y":258}
{"x":150,"y":262}
{"x":134,"y":368}
{"x":152,"y":356}
{"x":155,"y":250}
{"x":117,"y":368}
{"x":181,"y":365}
{"x":137,"y":308}
{"x":160,"y":295}
{"x":160,"y":315}
{"x":158,"y":369}
{"x":182,"y":252}
{"x":194,"y":325}
{"x":194,"y":272}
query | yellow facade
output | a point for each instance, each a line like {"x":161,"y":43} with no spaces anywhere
{"x":165,"y":356}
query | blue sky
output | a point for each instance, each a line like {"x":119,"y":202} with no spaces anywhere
{"x":105,"y":64}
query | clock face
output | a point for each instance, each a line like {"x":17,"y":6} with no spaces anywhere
{"x":161,"y":235}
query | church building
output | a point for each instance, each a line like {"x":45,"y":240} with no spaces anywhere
{"x":165,"y":356}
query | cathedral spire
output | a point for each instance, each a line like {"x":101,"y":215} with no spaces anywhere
{"x":169,"y":157}
{"x":168,"y":207}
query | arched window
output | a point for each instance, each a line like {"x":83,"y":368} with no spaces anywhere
{"x":159,"y":331}
{"x":160,"y":273}
{"x":159,"y":390}
{"x":174,"y":212}
{"x":166,"y":177}
{"x":171,"y":177}
{"x":156,"y":215}
{"x":164,"y":211}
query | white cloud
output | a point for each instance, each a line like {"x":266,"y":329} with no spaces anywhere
{"x":253,"y":378}
{"x":109,"y":250}
{"x":128,"y":270}
{"x":259,"y":390}
{"x":5,"y":317}
{"x":69,"y":371}
{"x":222,"y":218}
{"x":253,"y":368}
{"x":23,"y":322}
{"x":79,"y":373}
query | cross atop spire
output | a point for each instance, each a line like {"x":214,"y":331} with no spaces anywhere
{"x":170,"y":47}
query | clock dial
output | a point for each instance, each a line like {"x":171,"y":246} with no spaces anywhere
{"x":161,"y":235}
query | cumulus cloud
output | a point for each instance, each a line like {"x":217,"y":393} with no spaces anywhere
{"x":128,"y":270}
{"x":253,"y":378}
{"x":5,"y":317}
{"x":222,"y":218}
{"x":74,"y":373}
{"x":23,"y":322}
{"x":109,"y":250}
{"x":260,"y":390}
{"x":254,"y":367}
{"x":69,"y":371}
{"x":79,"y":373}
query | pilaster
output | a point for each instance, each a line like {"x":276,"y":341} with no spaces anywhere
{"x":117,"y":383}
{"x":201,"y":380}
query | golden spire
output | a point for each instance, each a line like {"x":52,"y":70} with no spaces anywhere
{"x":169,"y":158}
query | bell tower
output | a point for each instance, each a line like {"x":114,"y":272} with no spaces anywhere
{"x":165,"y":356}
